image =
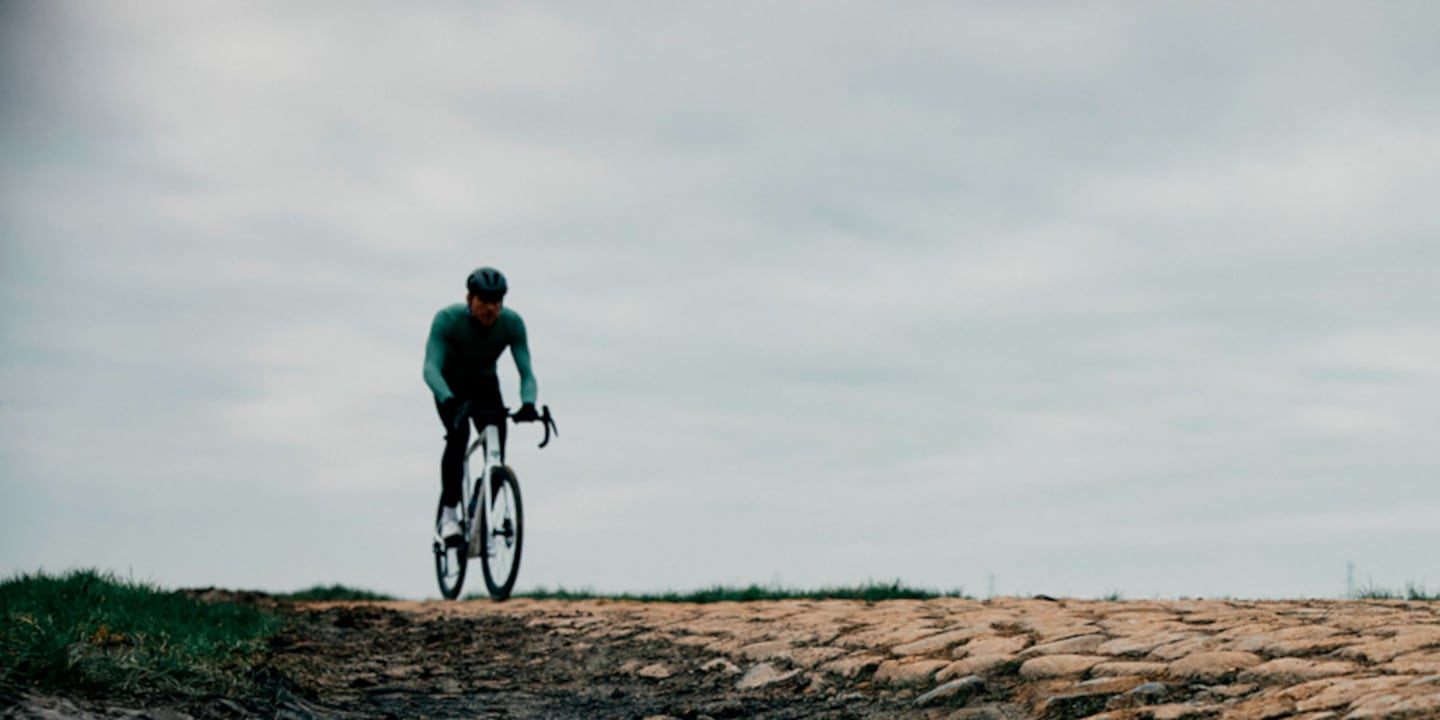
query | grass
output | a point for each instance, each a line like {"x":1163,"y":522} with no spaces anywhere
{"x":332,"y":593}
{"x":1412,"y":592}
{"x":102,"y":635}
{"x":869,"y":592}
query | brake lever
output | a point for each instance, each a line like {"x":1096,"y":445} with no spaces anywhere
{"x":549,"y":422}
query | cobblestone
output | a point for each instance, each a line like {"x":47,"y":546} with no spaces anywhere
{"x":1163,"y":659}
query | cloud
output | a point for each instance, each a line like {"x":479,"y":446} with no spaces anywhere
{"x":1337,"y":185}
{"x":333,"y":392}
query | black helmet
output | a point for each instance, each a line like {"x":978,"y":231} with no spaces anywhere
{"x":486,"y":281}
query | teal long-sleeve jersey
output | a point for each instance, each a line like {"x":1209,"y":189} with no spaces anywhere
{"x":461,"y":352}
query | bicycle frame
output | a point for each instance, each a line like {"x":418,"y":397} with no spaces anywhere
{"x":482,"y":498}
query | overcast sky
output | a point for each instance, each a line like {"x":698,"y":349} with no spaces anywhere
{"x":1087,"y":298}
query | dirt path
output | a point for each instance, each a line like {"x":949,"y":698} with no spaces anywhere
{"x":938,"y":659}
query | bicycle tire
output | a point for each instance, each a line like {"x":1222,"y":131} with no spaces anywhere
{"x":450,"y":581}
{"x":500,"y":554}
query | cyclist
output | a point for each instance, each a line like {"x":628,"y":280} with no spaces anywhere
{"x":466,"y":341}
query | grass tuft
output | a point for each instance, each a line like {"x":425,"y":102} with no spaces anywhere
{"x":95,"y":633}
{"x":869,"y":592}
{"x":1417,"y":592}
{"x":324,"y":593}
{"x":1412,"y":592}
{"x":1375,"y":592}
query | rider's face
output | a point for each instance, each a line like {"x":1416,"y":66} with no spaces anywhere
{"x":485,"y":310}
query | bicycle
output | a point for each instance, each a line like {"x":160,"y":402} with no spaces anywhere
{"x":493,"y":524}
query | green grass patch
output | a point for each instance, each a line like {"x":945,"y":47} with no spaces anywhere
{"x":1417,"y":592}
{"x":1375,"y":592}
{"x":96,"y":633}
{"x":870,"y":592}
{"x":1412,"y":592}
{"x":324,"y":593}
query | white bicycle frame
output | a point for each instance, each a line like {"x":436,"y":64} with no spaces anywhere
{"x":489,"y":439}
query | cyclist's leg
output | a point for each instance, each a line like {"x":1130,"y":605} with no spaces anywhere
{"x":452,"y":462}
{"x":488,"y":403}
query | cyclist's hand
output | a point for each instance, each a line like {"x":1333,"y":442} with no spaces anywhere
{"x":527,"y":413}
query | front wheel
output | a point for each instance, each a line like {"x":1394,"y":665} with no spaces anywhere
{"x":501,"y":533}
{"x":450,"y":561}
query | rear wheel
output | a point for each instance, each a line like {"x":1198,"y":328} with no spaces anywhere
{"x":449,"y":564}
{"x":502,"y":533}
